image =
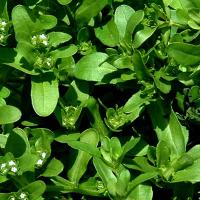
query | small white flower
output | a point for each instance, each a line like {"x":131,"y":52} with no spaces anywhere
{"x":2,"y":29}
{"x":49,"y":59}
{"x":3,"y":23}
{"x":43,"y":154}
{"x":22,"y":195}
{"x":11,"y":163}
{"x":43,"y":37}
{"x":39,"y":162}
{"x":3,"y":165}
{"x":45,"y":42}
{"x":13,"y":169}
{"x":49,"y":64}
{"x":12,"y":198}
{"x":34,"y":40}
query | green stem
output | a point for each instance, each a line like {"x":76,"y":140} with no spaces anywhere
{"x":98,"y":123}
{"x":78,"y":189}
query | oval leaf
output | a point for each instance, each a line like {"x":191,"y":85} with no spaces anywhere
{"x":93,"y":67}
{"x":44,"y":93}
{"x":64,"y":52}
{"x":57,"y":38}
{"x":9,"y":114}
{"x":54,"y":168}
{"x":184,"y":54}
{"x":108,"y":34}
{"x":35,"y":189}
{"x":122,"y":15}
{"x":89,"y":9}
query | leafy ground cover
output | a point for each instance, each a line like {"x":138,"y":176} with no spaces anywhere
{"x":99,"y":99}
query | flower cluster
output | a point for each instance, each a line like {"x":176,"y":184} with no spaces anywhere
{"x":43,"y":62}
{"x":19,"y":196}
{"x":70,"y":115}
{"x":42,"y":158}
{"x":9,"y":167}
{"x":116,"y":118}
{"x":86,"y":48}
{"x":40,"y":40}
{"x":3,"y":31}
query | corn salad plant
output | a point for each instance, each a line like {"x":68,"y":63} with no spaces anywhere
{"x":99,"y":99}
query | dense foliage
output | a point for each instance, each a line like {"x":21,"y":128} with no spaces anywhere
{"x":99,"y":99}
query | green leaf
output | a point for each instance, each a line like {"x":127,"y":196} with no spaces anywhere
{"x":64,"y":2}
{"x":162,"y":154}
{"x":57,"y":38}
{"x":194,"y":94}
{"x":122,"y":182}
{"x":194,"y":152}
{"x":3,"y":9}
{"x":140,"y":164}
{"x":60,"y":182}
{"x":123,"y":62}
{"x":129,"y":145}
{"x":93,"y":67}
{"x":142,"y":35}
{"x":183,"y":4}
{"x":4,"y":92}
{"x":44,"y":93}
{"x":9,"y":114}
{"x":108,"y":34}
{"x":64,"y":52}
{"x":17,"y":138}
{"x":195,"y":15}
{"x":83,"y":35}
{"x":15,"y":58}
{"x":193,"y":25}
{"x":169,"y":128}
{"x":27,"y":162}
{"x":140,"y":69}
{"x":141,"y":179}
{"x":141,"y":192}
{"x":133,"y":21}
{"x":23,"y":24}
{"x":183,"y":162}
{"x":162,"y":84}
{"x":121,"y":18}
{"x":44,"y":22}
{"x":89,"y":9}
{"x":4,"y":196}
{"x":35,"y":189}
{"x":184,"y":54}
{"x":116,"y":149}
{"x":26,"y":50}
{"x":92,"y":186}
{"x":83,"y":146}
{"x":87,"y":147}
{"x":189,"y":174}
{"x":106,"y":174}
{"x":77,"y":93}
{"x":135,"y":103}
{"x":43,"y":138}
{"x":54,"y":168}
{"x":67,"y":138}
{"x":3,"y":140}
